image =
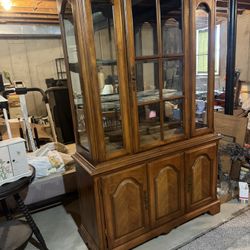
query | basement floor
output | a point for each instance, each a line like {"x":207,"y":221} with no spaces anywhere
{"x":60,"y":230}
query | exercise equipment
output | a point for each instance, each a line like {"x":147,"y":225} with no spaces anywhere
{"x":21,"y":92}
{"x":4,"y":106}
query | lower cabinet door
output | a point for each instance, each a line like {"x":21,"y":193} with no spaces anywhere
{"x":166,"y":189}
{"x":201,"y":169}
{"x":125,"y":205}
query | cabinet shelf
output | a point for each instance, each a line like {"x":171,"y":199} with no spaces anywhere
{"x":155,"y":57}
{"x":106,"y":62}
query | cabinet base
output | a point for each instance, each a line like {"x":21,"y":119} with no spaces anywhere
{"x":212,"y":208}
{"x":90,"y":243}
{"x":215,"y":209}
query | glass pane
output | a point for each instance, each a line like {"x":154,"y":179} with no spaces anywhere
{"x":173,"y":119}
{"x":149,"y":123}
{"x":145,"y":30}
{"x":147,"y":81}
{"x":171,"y":19}
{"x":172,"y":78}
{"x":75,"y":76}
{"x":108,"y":79}
{"x":202,"y":47}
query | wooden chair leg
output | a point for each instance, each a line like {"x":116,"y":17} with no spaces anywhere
{"x":30,"y":221}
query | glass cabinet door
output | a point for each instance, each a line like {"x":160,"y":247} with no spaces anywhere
{"x":74,"y":76}
{"x":156,"y":61}
{"x":203,"y":38}
{"x":109,"y":69}
{"x":201,"y":86}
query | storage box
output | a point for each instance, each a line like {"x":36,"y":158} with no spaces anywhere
{"x":13,"y":160}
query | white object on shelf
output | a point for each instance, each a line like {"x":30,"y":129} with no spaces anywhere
{"x":13,"y":160}
{"x":243,"y":191}
{"x":107,"y":90}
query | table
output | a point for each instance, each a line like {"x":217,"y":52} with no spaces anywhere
{"x":13,"y":189}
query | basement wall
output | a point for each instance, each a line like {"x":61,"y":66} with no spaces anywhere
{"x":242,"y":53}
{"x":31,"y":61}
{"x":243,"y":47}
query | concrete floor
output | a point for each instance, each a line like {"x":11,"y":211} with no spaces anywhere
{"x":60,"y":230}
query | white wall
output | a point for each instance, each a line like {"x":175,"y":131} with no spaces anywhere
{"x":242,"y":52}
{"x":220,"y":80}
{"x":243,"y":47}
{"x":31,"y":61}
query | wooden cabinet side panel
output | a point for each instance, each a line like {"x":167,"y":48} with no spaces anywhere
{"x":86,"y":192}
{"x":123,"y":198}
{"x":166,"y":185}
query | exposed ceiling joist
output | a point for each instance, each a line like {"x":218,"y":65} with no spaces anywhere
{"x":45,"y":11}
{"x":30,"y":11}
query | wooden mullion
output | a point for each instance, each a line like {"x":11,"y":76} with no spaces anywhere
{"x":173,"y":56}
{"x":173,"y":98}
{"x":131,"y":74}
{"x":157,"y":57}
{"x":140,"y":78}
{"x":147,"y":58}
{"x":187,"y":83}
{"x":148,"y":102}
{"x":160,"y":63}
{"x":193,"y":64}
{"x":211,"y":65}
{"x":155,"y":49}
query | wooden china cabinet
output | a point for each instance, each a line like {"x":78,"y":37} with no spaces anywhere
{"x":141,"y":76}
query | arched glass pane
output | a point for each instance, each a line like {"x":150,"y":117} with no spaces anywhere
{"x":172,"y":26}
{"x":145,"y":28}
{"x":202,"y":65}
{"x":172,"y":36}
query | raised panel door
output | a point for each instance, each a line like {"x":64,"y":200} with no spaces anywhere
{"x":125,"y":205}
{"x":166,"y":189}
{"x":201,"y":170}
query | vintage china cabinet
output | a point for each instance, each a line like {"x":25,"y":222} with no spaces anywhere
{"x":141,"y":76}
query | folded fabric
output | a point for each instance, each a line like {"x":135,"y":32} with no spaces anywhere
{"x":43,"y":151}
{"x":46,"y":165}
{"x":41,"y":164}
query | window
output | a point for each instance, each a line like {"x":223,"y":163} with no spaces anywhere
{"x":202,"y":51}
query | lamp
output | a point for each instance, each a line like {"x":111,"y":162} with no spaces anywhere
{"x":7,"y":4}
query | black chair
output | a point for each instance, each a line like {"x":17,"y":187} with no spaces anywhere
{"x":13,"y":189}
{"x":14,"y":234}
